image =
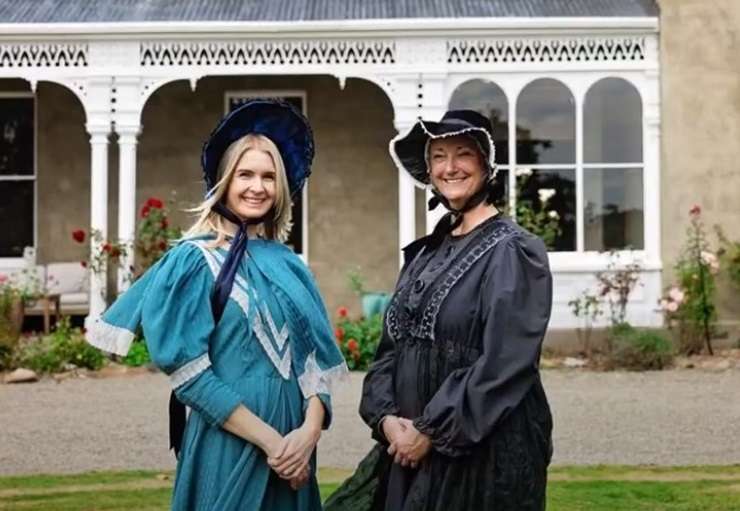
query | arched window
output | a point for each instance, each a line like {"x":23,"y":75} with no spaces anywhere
{"x":613,"y":166}
{"x":545,"y":161}
{"x":490,"y":100}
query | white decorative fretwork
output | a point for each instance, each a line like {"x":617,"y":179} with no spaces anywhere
{"x":43,"y":55}
{"x":272,"y":52}
{"x":582,"y":49}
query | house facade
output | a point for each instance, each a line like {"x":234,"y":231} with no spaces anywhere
{"x":592,"y":104}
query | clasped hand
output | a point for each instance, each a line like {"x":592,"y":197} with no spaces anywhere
{"x":291,"y":457}
{"x":408,"y":445}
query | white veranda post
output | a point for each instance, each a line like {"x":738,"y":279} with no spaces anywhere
{"x":98,"y":212}
{"x":97,"y":109}
{"x":126,"y":203}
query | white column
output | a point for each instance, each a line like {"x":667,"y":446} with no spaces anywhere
{"x":406,"y":210}
{"x":651,"y":170}
{"x":434,"y":106}
{"x":415,"y":96}
{"x":97,"y":103}
{"x":579,"y":96}
{"x":405,"y":108}
{"x":127,"y":138}
{"x":650,"y":91}
{"x":127,"y":121}
{"x":98,"y":211}
{"x":406,"y":202}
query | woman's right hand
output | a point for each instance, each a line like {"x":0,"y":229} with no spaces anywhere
{"x":295,"y":452}
{"x":275,"y":446}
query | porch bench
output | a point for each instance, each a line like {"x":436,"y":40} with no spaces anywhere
{"x":69,"y":280}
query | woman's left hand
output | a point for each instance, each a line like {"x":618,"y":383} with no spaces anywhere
{"x":410,"y":445}
{"x":295,"y":452}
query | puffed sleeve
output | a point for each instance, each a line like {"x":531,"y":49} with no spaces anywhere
{"x":516,"y":303}
{"x":177,"y":323}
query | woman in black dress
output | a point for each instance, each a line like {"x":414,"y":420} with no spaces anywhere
{"x":454,"y":396}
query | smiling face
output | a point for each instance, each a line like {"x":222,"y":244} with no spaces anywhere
{"x":456,"y":168}
{"x":253,"y":185}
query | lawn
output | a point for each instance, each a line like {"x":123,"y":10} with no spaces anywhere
{"x":613,"y":488}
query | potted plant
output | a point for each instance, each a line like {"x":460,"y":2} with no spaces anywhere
{"x":373,"y":302}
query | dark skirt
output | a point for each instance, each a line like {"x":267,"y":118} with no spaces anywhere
{"x":505,"y":472}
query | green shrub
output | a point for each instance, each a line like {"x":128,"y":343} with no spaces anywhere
{"x":358,"y":339}
{"x":690,"y":307}
{"x":6,"y":357}
{"x":138,"y":355}
{"x":65,"y":345}
{"x":638,"y":349}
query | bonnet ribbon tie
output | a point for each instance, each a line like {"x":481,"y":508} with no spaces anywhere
{"x":227,"y":274}
{"x":486,"y":192}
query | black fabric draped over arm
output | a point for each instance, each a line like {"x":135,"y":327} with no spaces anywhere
{"x":516,"y":298}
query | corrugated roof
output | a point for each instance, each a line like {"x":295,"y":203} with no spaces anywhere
{"x":72,"y":11}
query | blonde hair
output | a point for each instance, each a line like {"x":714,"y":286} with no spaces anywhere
{"x":279,"y":220}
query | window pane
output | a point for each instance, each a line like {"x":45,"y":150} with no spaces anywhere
{"x":543,"y":195}
{"x":612,"y":123}
{"x":545,"y":124}
{"x":16,"y":217}
{"x":614,"y":209}
{"x":488,"y":99}
{"x":16,"y":136}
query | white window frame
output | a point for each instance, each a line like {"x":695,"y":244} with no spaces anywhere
{"x":574,"y":271}
{"x":16,"y":262}
{"x":578,"y":84}
{"x":281,"y":93}
{"x":635,"y":254}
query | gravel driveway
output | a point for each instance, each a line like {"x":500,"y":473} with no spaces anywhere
{"x":673,"y":417}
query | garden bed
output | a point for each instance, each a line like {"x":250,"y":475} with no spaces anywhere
{"x":722,"y":360}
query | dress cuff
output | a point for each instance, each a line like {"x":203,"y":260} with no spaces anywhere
{"x":190,"y":370}
{"x":376,"y":424}
{"x":209,"y":396}
{"x":440,"y":442}
{"x":108,"y":337}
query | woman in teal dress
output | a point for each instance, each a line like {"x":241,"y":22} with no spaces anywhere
{"x":234,"y":318}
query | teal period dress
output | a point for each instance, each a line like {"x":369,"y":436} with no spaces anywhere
{"x":272,"y":349}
